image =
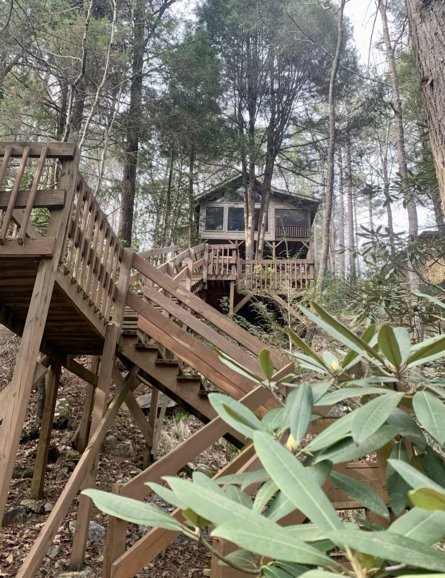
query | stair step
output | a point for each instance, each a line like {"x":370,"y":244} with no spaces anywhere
{"x":167,"y":362}
{"x":146,"y":346}
{"x":190,"y":378}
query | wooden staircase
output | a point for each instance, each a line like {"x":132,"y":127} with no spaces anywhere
{"x":72,"y":289}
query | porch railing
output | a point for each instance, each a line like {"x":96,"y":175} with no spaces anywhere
{"x":292,"y":231}
{"x":275,"y":275}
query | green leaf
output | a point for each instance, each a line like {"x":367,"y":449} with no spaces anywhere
{"x":245,"y":479}
{"x":338,"y":331}
{"x":373,"y":414}
{"x":433,"y":464}
{"x":306,"y":349}
{"x":308,"y":363}
{"x":404,"y":342}
{"x":236,"y":495}
{"x":349,"y":392}
{"x":275,"y":543}
{"x":264,"y":495}
{"x":391,"y":547}
{"x":352,"y":357}
{"x":237,"y":367}
{"x":388,"y":345}
{"x":421,"y":525}
{"x":133,"y":511}
{"x":427,"y":351}
{"x":397,"y":486}
{"x":321,"y":574}
{"x":361,"y":493}
{"x":265,"y":362}
{"x":428,"y":499}
{"x":407,"y":427}
{"x":430,"y":412}
{"x":293,"y":569}
{"x":274,"y":572}
{"x":301,"y":412}
{"x":242,"y":558}
{"x":347,"y":450}
{"x":275,"y":420}
{"x":295,"y":482}
{"x":430,"y":298}
{"x":338,"y":430}
{"x":412,"y":476}
{"x":166,"y":494}
{"x":234,"y":413}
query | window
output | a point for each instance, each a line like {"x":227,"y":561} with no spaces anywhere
{"x":236,"y":219}
{"x":289,"y":217}
{"x":214,"y":218}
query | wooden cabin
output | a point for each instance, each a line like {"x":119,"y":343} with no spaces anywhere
{"x":287,"y":261}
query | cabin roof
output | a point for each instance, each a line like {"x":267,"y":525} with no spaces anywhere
{"x":311,"y":203}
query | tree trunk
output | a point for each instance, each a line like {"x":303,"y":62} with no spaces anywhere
{"x":341,"y":223}
{"x":133,"y":126}
{"x":191,"y":179}
{"x":427,"y":21}
{"x":351,"y":218}
{"x":397,"y":107}
{"x":329,"y":192}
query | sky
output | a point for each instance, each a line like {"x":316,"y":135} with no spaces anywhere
{"x":367,"y":27}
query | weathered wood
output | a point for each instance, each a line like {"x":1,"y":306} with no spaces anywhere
{"x":30,"y":202}
{"x":80,"y":438}
{"x":38,"y":479}
{"x":21,"y":382}
{"x":29,"y":248}
{"x":13,"y":195}
{"x":61,"y":507}
{"x":62,"y":151}
{"x":52,"y":199}
{"x":201,"y":308}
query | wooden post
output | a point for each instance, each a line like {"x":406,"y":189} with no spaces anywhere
{"x":83,"y":431}
{"x":100,"y":403}
{"x":21,"y":383}
{"x":232,"y":297}
{"x":52,"y":385}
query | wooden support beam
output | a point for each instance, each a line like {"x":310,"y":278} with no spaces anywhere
{"x":57,"y":150}
{"x":100,"y":403}
{"x":232,"y":297}
{"x":22,"y":378}
{"x":80,"y":438}
{"x":40,"y":546}
{"x":243,"y":302}
{"x":45,"y":199}
{"x":52,"y":385}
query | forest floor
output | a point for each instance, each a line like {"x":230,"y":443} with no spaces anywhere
{"x":182,"y":559}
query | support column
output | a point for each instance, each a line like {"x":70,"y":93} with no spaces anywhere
{"x":52,"y":386}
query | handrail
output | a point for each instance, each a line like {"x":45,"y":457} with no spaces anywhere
{"x":275,"y":274}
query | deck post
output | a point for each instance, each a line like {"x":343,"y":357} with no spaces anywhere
{"x":52,"y":386}
{"x":21,"y":383}
{"x":83,"y":431}
{"x":100,"y":405}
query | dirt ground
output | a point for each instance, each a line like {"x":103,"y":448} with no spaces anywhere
{"x":181,"y":559}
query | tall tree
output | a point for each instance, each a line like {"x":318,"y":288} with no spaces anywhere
{"x":427,"y":21}
{"x":329,"y":189}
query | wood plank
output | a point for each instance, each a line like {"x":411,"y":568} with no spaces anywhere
{"x":203,"y":329}
{"x":13,"y":195}
{"x":45,"y":199}
{"x":43,"y":247}
{"x":212,"y":315}
{"x":32,"y":195}
{"x":40,"y":546}
{"x":62,"y":151}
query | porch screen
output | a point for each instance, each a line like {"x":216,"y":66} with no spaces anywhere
{"x":236,"y":219}
{"x":214,"y":218}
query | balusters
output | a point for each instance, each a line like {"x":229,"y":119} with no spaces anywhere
{"x":13,"y":196}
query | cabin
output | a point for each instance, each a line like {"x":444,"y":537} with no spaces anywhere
{"x":287,"y":260}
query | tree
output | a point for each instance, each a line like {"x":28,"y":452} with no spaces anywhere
{"x":427,"y":29}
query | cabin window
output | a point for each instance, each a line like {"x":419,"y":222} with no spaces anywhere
{"x":289,"y":217}
{"x":214,"y":218}
{"x":236,"y":219}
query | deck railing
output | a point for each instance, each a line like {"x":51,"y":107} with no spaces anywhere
{"x":222,"y":262}
{"x":292,"y":231}
{"x":35,"y":176}
{"x":275,"y":275}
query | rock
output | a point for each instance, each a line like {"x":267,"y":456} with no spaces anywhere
{"x":62,"y":414}
{"x":95,"y":531}
{"x":85,"y":573}
{"x":36,"y":506}
{"x":15,"y":515}
{"x":53,"y":552}
{"x":48,"y":507}
{"x":71,"y":455}
{"x":62,"y":473}
{"x":144,"y":401}
{"x":120,"y":449}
